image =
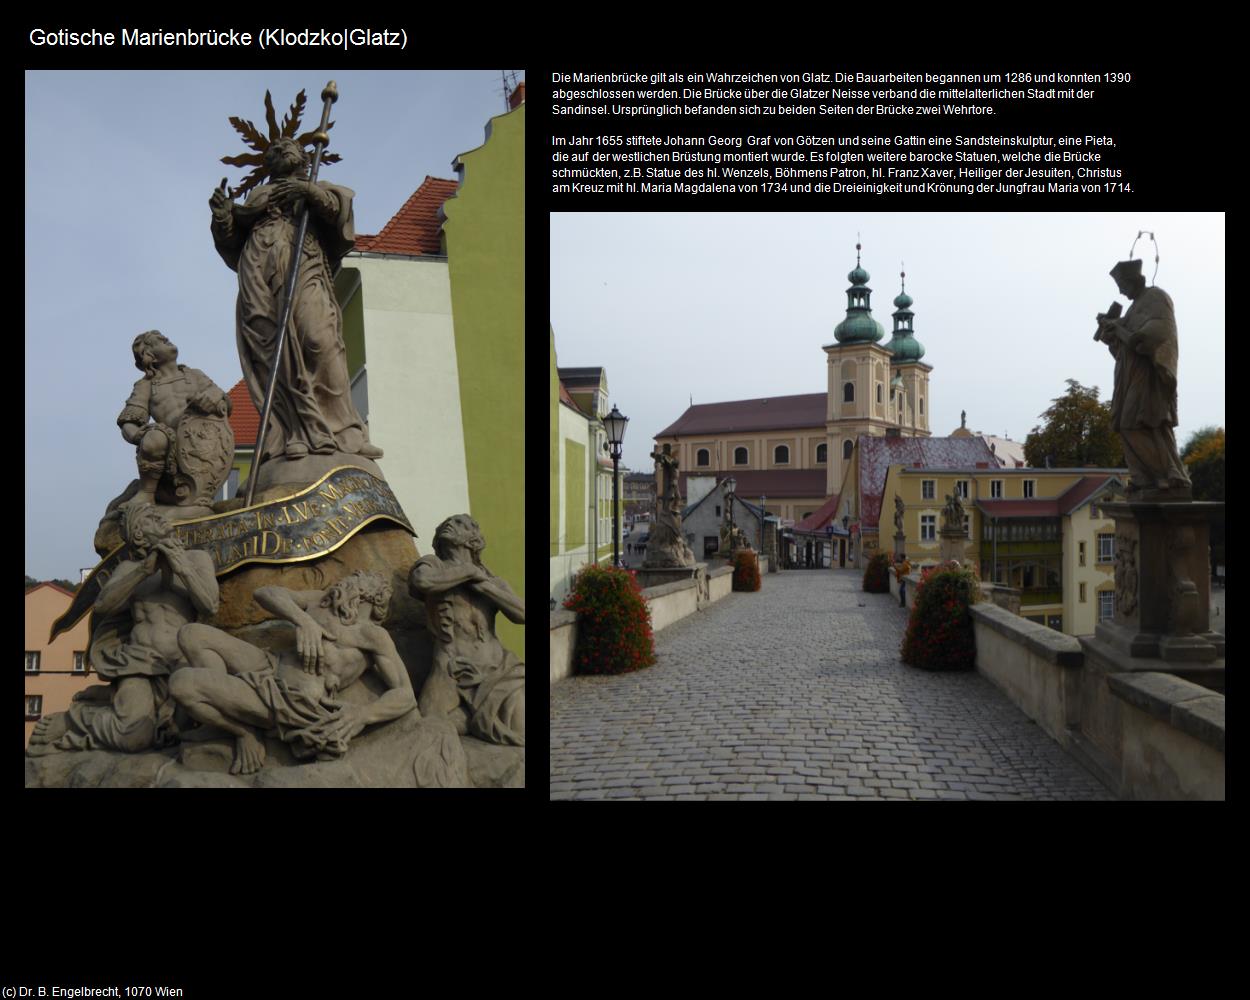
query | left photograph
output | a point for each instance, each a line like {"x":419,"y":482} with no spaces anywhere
{"x":274,"y":435}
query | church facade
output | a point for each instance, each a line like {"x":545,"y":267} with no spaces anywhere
{"x":791,"y":454}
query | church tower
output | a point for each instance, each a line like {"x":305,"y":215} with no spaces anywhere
{"x":909,"y":382}
{"x":859,"y":376}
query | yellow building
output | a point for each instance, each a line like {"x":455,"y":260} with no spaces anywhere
{"x":1040,"y":531}
{"x":55,"y":671}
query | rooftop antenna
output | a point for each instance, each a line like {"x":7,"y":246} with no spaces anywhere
{"x":509,"y":80}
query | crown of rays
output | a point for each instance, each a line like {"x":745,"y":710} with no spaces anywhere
{"x":259,"y":142}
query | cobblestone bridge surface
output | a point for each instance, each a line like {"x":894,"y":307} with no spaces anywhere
{"x":797,"y":692}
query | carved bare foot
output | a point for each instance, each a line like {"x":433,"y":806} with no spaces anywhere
{"x":249,"y":755}
{"x":49,"y":729}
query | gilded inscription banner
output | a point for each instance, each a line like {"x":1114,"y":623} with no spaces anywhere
{"x":306,"y":525}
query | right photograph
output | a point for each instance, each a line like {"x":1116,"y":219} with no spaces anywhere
{"x":916,"y":506}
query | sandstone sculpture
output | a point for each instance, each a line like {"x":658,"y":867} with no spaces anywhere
{"x":1143,"y":408}
{"x":474,"y":681}
{"x":667,"y":546}
{"x":313,"y":410}
{"x":158,"y":589}
{"x":240,"y":688}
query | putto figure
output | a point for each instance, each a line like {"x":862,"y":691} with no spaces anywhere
{"x":151,"y":594}
{"x":176,"y":418}
{"x":1143,"y":409}
{"x":474,"y":681}
{"x":245,"y":690}
{"x":312,"y":407}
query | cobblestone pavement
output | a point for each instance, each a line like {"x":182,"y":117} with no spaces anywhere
{"x":797,"y":692}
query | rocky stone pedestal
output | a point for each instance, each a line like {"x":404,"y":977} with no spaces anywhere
{"x":900,"y":546}
{"x":954,"y":545}
{"x":1163,"y":582}
{"x":659,"y":576}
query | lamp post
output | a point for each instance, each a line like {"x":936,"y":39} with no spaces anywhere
{"x":614,"y":424}
{"x":763,"y":514}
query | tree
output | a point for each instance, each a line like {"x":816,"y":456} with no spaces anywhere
{"x":1076,"y":433}
{"x":1203,"y":456}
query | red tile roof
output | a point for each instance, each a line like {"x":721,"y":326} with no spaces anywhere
{"x":751,"y":415}
{"x":1065,"y":503}
{"x":752,"y":483}
{"x":414,"y":229}
{"x":818,"y":519}
{"x":877,"y":454}
{"x":244,"y":417}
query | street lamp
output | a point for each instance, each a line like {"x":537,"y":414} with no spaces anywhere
{"x":728,"y":486}
{"x":614,"y":424}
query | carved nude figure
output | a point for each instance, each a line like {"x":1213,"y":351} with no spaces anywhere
{"x":134,"y":643}
{"x":237,"y":687}
{"x":474,"y":681}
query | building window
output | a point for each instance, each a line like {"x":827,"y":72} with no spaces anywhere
{"x":847,"y":448}
{"x":781,"y":455}
{"x":1106,"y":605}
{"x":822,"y":452}
{"x":848,"y":392}
{"x":80,"y":662}
{"x":1028,"y":488}
{"x":718,"y":510}
{"x":996,"y":489}
{"x":1080,"y":557}
{"x":1106,"y":548}
{"x":922,"y":406}
{"x":32,"y":662}
{"x":961,"y":488}
{"x":1082,"y":590}
{"x":928,"y":527}
{"x":34,"y":706}
{"x":702,"y":457}
{"x":928,"y":488}
{"x":710,"y":544}
{"x":878,"y":393}
{"x":740,"y":456}
{"x":968,"y":525}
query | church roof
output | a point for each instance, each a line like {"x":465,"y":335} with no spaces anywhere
{"x":877,"y":454}
{"x":414,"y":230}
{"x":779,"y":483}
{"x":772,"y":413}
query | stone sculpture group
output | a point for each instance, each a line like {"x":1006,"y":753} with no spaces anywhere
{"x":318,"y":667}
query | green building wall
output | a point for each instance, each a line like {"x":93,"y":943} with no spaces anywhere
{"x":485,"y":234}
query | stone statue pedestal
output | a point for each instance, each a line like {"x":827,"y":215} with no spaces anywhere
{"x":954,"y":545}
{"x":1163,"y":582}
{"x":900,"y":546}
{"x":661,"y":575}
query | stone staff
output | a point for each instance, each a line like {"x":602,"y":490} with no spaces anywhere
{"x":320,"y":139}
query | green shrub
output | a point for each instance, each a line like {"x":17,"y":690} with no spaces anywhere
{"x":939,"y":633}
{"x":613,"y":622}
{"x":877,"y":574}
{"x":746,"y":570}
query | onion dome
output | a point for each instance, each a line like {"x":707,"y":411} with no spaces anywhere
{"x":904,"y":346}
{"x":859,"y":327}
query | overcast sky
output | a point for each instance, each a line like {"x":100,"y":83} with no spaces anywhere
{"x":119,"y":169}
{"x":737,"y":306}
